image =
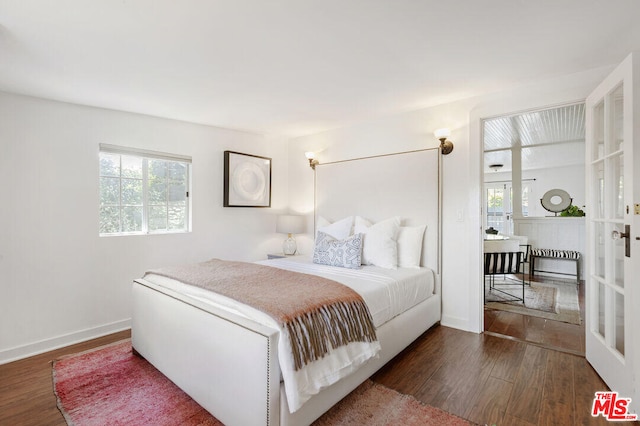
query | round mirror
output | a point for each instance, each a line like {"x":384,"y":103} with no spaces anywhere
{"x":556,"y":200}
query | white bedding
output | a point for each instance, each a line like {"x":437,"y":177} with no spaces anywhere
{"x":387,"y":293}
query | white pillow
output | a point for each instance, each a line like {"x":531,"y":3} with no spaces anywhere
{"x":345,"y":253}
{"x":380,"y":246}
{"x":410,"y":246}
{"x":339,"y":230}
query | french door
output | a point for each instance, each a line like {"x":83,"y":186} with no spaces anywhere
{"x":613,"y":281}
{"x":497,"y":201}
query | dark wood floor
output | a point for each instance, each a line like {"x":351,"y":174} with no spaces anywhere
{"x":481,"y":377}
{"x":552,"y":334}
{"x":525,"y":371}
{"x":493,"y":380}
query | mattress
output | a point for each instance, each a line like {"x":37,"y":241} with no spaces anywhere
{"x":387,"y":292}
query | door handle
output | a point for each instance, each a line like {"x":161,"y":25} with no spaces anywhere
{"x":616,"y":235}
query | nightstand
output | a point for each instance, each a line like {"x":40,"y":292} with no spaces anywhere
{"x":280,"y":255}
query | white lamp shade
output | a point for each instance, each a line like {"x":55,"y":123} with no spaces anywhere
{"x":310,"y":155}
{"x":290,"y":224}
{"x":442,"y":133}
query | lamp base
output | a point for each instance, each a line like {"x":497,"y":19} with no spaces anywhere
{"x":289,"y":246}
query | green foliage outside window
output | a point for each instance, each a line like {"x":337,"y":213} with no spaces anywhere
{"x":142,"y":195}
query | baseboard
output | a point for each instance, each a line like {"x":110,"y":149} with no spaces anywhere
{"x":457,"y":322}
{"x":42,"y":346}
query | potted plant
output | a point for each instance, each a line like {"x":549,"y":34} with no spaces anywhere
{"x":572,"y":211}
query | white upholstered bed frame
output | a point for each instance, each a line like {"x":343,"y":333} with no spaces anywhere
{"x":229,"y":364}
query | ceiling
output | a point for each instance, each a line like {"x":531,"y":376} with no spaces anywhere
{"x":553,"y":137}
{"x":295,"y":67}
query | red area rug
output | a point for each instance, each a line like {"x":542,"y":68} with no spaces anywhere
{"x":110,"y":385}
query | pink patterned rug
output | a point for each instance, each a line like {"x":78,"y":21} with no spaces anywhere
{"x":110,"y":385}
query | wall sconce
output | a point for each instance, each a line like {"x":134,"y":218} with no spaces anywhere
{"x":445,"y":146}
{"x":311,"y":156}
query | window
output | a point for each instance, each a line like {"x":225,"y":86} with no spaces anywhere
{"x":143,"y":192}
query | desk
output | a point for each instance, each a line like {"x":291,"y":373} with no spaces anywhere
{"x":501,"y":245}
{"x":495,"y":237}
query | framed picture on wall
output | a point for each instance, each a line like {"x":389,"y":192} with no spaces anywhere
{"x":247,"y":180}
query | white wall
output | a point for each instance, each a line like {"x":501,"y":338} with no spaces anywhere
{"x":462,"y":180}
{"x":404,"y":132}
{"x":60,"y":282}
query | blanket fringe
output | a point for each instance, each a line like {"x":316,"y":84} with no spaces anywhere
{"x":315,"y":333}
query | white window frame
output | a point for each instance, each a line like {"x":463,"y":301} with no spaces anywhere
{"x":507,"y":203}
{"x":147,"y":155}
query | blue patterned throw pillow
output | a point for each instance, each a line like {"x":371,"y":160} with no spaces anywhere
{"x":345,"y":253}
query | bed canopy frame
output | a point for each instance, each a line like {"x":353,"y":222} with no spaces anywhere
{"x":229,"y":364}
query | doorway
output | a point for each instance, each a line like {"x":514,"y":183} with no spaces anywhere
{"x":525,"y":155}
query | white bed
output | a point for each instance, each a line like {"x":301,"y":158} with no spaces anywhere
{"x":226,"y":356}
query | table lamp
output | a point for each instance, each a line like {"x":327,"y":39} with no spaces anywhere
{"x":289,"y":224}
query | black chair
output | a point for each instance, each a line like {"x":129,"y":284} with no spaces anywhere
{"x":526,"y":259}
{"x":503,"y":263}
{"x":525,"y":248}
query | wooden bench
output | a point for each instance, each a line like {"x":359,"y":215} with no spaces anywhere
{"x":571,"y":255}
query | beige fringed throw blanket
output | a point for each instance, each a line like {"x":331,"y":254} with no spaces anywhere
{"x":319,"y":314}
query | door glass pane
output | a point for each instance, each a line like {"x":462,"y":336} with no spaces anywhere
{"x":601,"y":309}
{"x":617,"y":115}
{"x":495,"y":208}
{"x":599,"y":250}
{"x":598,"y":131}
{"x":619,"y":322}
{"x":598,"y":189}
{"x":617,"y":164}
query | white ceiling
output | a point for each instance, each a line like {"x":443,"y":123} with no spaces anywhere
{"x":553,"y":137}
{"x":294,"y":67}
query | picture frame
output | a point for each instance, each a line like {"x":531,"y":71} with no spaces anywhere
{"x":247,"y":180}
